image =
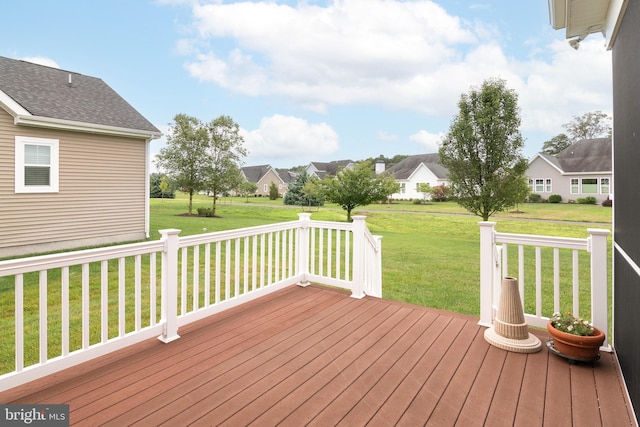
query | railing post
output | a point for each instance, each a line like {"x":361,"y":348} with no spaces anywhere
{"x":376,"y":287}
{"x":487,"y":267}
{"x":169,"y":297}
{"x":599,"y":281}
{"x":358,"y":257}
{"x":302,"y":248}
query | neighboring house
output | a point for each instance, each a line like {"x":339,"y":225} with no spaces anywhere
{"x":73,"y":161}
{"x":263,"y":176}
{"x":320,"y":169}
{"x":618,"y":21}
{"x":581,"y":170}
{"x":415,"y":170}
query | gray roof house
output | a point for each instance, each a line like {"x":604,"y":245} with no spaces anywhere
{"x":414,"y":170}
{"x":322,"y":169}
{"x":74,"y":161}
{"x":581,"y":170}
{"x":263,"y":176}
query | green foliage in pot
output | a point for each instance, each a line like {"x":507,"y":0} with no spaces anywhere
{"x":566,"y":322}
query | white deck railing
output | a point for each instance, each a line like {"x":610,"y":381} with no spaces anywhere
{"x":557,"y":286}
{"x":72,"y":307}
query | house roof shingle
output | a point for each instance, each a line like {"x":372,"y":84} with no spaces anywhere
{"x":46,"y":92}
{"x":406,"y":167}
{"x":330,"y":168}
{"x":587,"y":155}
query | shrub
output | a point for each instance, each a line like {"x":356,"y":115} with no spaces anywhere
{"x":273,"y":191}
{"x":416,"y":201}
{"x":608,"y":203}
{"x":534,"y":198}
{"x":440,"y":193}
{"x":208,"y":212}
{"x":555,"y":198}
{"x":587,"y":200}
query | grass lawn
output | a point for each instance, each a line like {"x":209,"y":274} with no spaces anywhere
{"x":430,"y":252}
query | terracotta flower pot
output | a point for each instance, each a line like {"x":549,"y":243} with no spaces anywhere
{"x":576,"y":346}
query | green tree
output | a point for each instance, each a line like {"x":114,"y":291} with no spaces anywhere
{"x":160,"y":187}
{"x":425,"y":189}
{"x":299,"y":195}
{"x":184,"y":158}
{"x":357,"y":186}
{"x":247,"y":188}
{"x":482,"y":149}
{"x":224,"y":154}
{"x":521,"y":191}
{"x":273,"y":191}
{"x":556,"y":144}
{"x":595,"y":124}
{"x":389,"y":185}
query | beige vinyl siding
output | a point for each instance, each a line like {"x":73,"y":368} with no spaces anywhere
{"x":102,"y":191}
{"x":267,"y":179}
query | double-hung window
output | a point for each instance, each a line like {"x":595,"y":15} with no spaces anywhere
{"x":575,"y":186}
{"x":604,"y":186}
{"x":36,"y":165}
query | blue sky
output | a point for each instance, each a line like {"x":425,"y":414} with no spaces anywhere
{"x":318,"y":80}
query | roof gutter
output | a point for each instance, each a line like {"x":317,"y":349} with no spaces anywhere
{"x":71,"y":125}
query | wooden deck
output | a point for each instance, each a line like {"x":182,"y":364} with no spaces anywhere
{"x":315,"y":356}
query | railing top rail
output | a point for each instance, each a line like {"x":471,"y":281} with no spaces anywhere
{"x":345,"y":226}
{"x":59,"y":260}
{"x":550,"y":241}
{"x":218,"y":236}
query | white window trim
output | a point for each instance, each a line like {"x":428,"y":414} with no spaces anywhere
{"x":54,"y":186}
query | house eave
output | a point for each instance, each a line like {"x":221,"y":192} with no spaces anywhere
{"x":587,"y":173}
{"x":578,"y":19}
{"x":74,"y":126}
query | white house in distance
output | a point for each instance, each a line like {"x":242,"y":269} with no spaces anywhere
{"x":414,"y":170}
{"x":581,"y":170}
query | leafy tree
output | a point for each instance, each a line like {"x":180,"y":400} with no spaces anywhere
{"x":482,"y":149}
{"x":273,"y":191}
{"x":224,"y":153}
{"x":521,"y":191}
{"x":425,"y":189}
{"x":388,"y":186}
{"x":160,"y":187}
{"x":184,"y":157}
{"x":590,"y":125}
{"x":246,"y":188}
{"x":556,"y":144}
{"x":298,"y":193}
{"x":355,"y":187}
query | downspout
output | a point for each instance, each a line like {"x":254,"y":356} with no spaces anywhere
{"x":147,"y":181}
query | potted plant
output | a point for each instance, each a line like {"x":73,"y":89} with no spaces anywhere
{"x":574,"y":337}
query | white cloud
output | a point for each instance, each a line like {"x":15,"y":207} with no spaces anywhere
{"x":349,"y":52}
{"x":412,"y":56}
{"x":41,"y":60}
{"x":430,"y":141}
{"x":291,"y":138}
{"x":571,"y":83}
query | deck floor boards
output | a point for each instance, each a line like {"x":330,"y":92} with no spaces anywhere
{"x":314,"y":356}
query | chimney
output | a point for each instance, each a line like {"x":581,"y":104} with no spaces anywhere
{"x":380,"y":166}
